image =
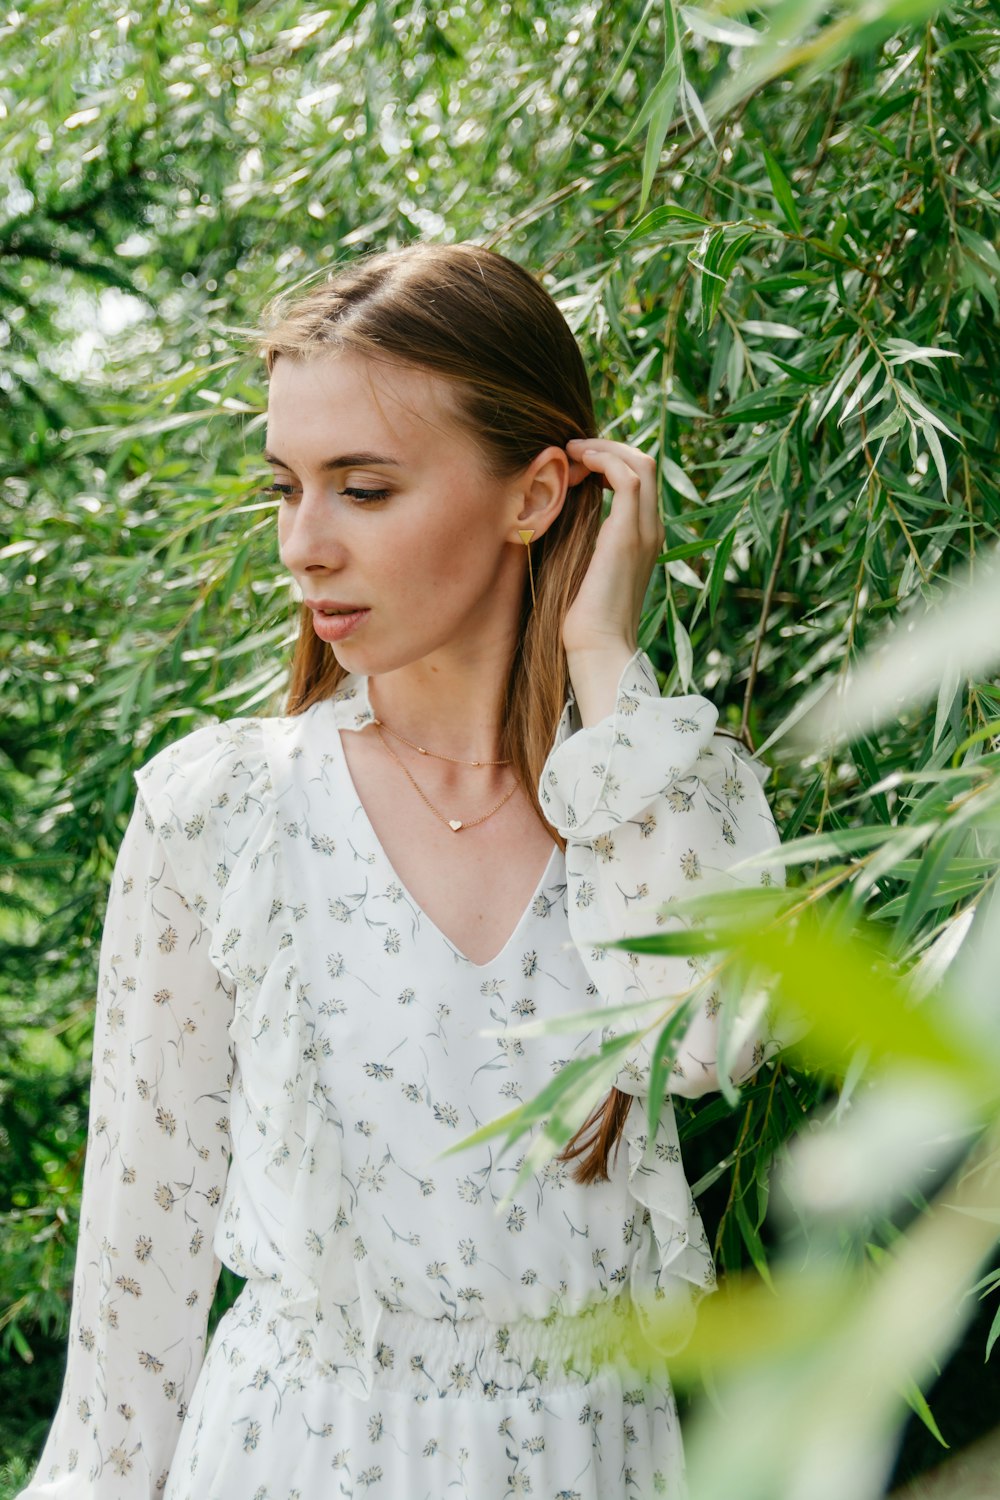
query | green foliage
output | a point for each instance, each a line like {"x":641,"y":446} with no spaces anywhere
{"x":775,"y":238}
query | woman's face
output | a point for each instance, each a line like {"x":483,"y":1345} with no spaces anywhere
{"x":401,"y":542}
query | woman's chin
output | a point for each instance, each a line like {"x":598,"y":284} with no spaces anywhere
{"x":367,"y":659}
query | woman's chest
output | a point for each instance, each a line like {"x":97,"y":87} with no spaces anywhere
{"x":362,"y":1006}
{"x":465,"y":844}
{"x":393,"y":1010}
{"x":350,"y":982}
{"x":353,"y":962}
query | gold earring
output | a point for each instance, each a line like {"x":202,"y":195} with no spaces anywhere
{"x":526,"y":539}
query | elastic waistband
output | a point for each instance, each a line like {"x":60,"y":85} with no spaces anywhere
{"x":473,"y":1356}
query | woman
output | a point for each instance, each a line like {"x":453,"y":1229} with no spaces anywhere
{"x":325,"y":930}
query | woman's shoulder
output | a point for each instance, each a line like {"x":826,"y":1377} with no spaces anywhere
{"x":209,"y":755}
{"x":211,"y":797}
{"x":222,"y":765}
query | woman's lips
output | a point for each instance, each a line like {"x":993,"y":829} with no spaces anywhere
{"x":336,"y":627}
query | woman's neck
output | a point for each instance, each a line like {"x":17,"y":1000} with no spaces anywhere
{"x":452,"y":706}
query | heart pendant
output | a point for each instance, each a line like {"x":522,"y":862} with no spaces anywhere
{"x":454,"y":824}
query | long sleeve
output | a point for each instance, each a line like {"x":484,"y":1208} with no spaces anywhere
{"x":654,"y":804}
{"x":156,"y":1164}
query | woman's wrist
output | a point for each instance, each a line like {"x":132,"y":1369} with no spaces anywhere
{"x":595,"y":673}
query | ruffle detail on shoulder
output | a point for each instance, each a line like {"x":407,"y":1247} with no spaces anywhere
{"x":602,"y":775}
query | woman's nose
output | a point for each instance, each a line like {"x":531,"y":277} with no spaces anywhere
{"x":308,"y":536}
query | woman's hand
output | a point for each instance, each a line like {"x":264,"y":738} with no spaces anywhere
{"x":601,"y":628}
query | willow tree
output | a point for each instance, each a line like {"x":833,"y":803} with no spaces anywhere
{"x":776,"y":240}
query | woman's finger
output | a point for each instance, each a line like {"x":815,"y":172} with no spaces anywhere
{"x":625,"y":483}
{"x":642,"y":464}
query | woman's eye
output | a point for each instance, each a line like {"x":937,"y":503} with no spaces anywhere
{"x":286,"y":491}
{"x":364,"y":494}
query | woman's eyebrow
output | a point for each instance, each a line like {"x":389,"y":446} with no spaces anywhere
{"x":345,"y":461}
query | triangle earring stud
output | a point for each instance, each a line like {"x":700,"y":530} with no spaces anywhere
{"x":526,"y":539}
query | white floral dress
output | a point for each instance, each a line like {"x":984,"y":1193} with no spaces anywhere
{"x":284,"y":1046}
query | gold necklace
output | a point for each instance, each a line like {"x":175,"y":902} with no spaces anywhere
{"x":402,"y":737}
{"x":455,"y":824}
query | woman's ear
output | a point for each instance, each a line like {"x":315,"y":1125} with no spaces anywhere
{"x":541,"y":490}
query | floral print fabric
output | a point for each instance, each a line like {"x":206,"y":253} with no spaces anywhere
{"x":285,"y":1046}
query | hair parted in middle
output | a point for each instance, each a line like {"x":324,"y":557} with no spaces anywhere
{"x":481,"y":322}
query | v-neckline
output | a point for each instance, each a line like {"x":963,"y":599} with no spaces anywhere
{"x":543,"y":880}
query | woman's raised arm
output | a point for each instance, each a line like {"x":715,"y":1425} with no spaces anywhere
{"x":653,"y":805}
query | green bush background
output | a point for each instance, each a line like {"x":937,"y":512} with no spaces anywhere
{"x":757,"y":246}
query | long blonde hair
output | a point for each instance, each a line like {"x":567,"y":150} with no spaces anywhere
{"x":481,"y":322}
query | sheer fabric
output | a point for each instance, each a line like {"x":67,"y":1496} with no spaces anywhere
{"x":285,"y":1045}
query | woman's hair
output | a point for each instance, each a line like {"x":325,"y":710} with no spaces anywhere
{"x":482,"y":323}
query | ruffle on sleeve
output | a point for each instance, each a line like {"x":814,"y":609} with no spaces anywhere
{"x":602,"y":775}
{"x":678,"y":1268}
{"x":654,"y":804}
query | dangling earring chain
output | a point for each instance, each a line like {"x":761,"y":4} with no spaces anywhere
{"x":526,"y":539}
{"x":403,"y":740}
{"x":455,"y":824}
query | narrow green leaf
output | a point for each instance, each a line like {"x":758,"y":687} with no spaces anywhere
{"x":858,"y":394}
{"x":665,"y":96}
{"x":917,"y":1402}
{"x":17,"y":1338}
{"x":863,"y":753}
{"x":662,"y":1060}
{"x":770,"y":330}
{"x":667,"y":213}
{"x":584,"y":1020}
{"x":802,"y":811}
{"x":913,"y":400}
{"x":930,"y":871}
{"x":573,"y":1077}
{"x":650,"y":625}
{"x":903,"y":351}
{"x":719,"y":28}
{"x":695,"y":940}
{"x":680,"y":642}
{"x":234,"y":576}
{"x":982,"y":247}
{"x":840,"y":385}
{"x":948,"y":689}
{"x":718,"y":577}
{"x":647,"y":111}
{"x":993,"y":1335}
{"x":937,"y":453}
{"x":782,"y":192}
{"x":713,"y":282}
{"x":688,"y":549}
{"x":689,"y":97}
{"x":733,"y":251}
{"x":753,"y":1242}
{"x":619,"y":72}
{"x":678,"y":480}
